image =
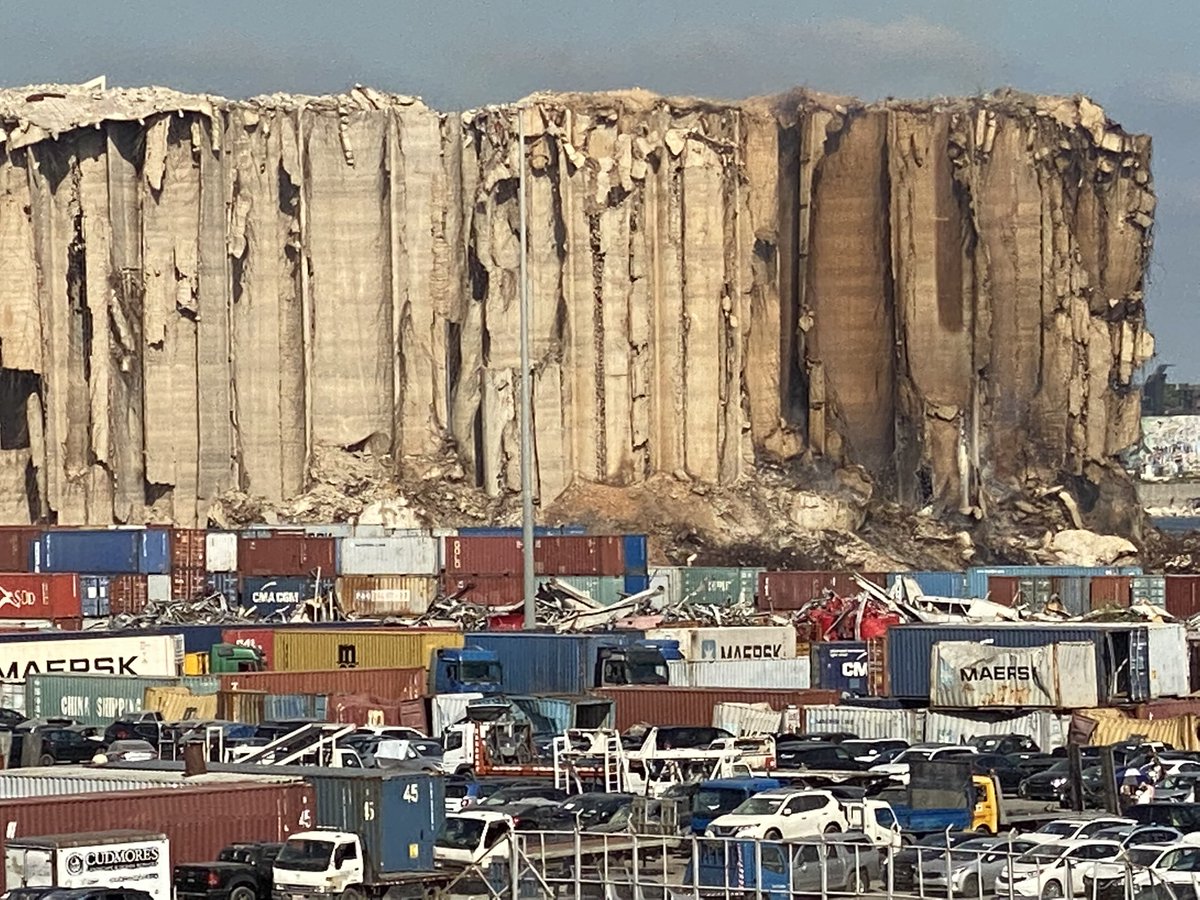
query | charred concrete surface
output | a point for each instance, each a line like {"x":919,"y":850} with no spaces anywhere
{"x":938,"y":303}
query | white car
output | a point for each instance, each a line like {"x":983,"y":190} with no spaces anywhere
{"x":898,"y":768}
{"x":1074,"y":829}
{"x":1177,"y":865}
{"x":1051,"y":871}
{"x":1140,"y":860}
{"x":782,"y":814}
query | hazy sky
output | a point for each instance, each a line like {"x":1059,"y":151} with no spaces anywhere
{"x":1138,"y":60}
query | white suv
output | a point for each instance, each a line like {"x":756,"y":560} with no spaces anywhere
{"x":782,"y":814}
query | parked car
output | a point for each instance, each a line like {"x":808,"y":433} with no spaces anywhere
{"x":127,"y":751}
{"x":1071,"y":829}
{"x":519,"y":792}
{"x":1179,"y":788}
{"x":868,"y":751}
{"x":96,"y":893}
{"x":10,"y":719}
{"x":143,"y":726}
{"x":240,"y":872}
{"x":594,"y":810}
{"x":816,"y":755}
{"x":1009,"y":775}
{"x":973,"y":865}
{"x":1050,"y":784}
{"x":1184,"y":816}
{"x":1004,"y":743}
{"x":721,"y":796}
{"x":74,"y":744}
{"x":899,"y":767}
{"x":675,"y":737}
{"x":1132,"y":835}
{"x":462,"y":792}
{"x":908,"y":862}
{"x":1053,"y":870}
{"x":782,"y":814}
{"x":826,"y":737}
{"x":1177,"y":866}
{"x":1108,"y":880}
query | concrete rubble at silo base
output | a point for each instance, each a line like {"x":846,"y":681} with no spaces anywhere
{"x":803,"y":327}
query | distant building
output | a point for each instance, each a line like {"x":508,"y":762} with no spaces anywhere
{"x":1165,"y":398}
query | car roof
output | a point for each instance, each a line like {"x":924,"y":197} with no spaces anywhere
{"x":767,"y":783}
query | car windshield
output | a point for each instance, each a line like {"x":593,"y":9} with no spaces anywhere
{"x":717,"y":800}
{"x":1182,"y":780}
{"x":647,"y":672}
{"x":1143,"y":856}
{"x":305,"y":855}
{"x":758,"y":806}
{"x":1059,"y":829}
{"x":912,"y":754}
{"x":479,"y":672}
{"x":1043,"y":853}
{"x":460,"y":833}
{"x":593,"y":812}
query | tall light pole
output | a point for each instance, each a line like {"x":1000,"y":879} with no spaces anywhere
{"x":526,"y":395}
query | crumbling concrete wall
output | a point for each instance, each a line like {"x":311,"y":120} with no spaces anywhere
{"x":197,"y":294}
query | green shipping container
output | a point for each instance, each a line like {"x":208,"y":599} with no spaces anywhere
{"x":98,"y":699}
{"x":604,"y":589}
{"x":376,"y":648}
{"x":718,"y":586}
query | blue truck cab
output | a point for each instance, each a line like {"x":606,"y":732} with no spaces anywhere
{"x":723,"y":795}
{"x":470,"y":670}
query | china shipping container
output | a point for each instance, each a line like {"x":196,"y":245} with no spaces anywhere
{"x":343,"y":648}
{"x":25,"y":595}
{"x":415,"y":554}
{"x":482,"y":556}
{"x":935,"y":584}
{"x":287,"y":554}
{"x":116,"y":551}
{"x":98,"y":699}
{"x":199,"y":821}
{"x":1182,"y":595}
{"x":792,"y":590}
{"x":977,"y":577}
{"x":1150,"y":589}
{"x":16,"y":547}
{"x":579,"y":555}
{"x":548,"y":663}
{"x":643,"y":705}
{"x":262,"y":639}
{"x":389,"y":683}
{"x":221,"y":551}
{"x":1111,"y":591}
{"x":375,"y":596}
{"x":484,"y":590}
{"x":637,"y":554}
{"x":840,"y":666}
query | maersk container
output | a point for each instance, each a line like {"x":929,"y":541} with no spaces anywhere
{"x":87,"y":652}
{"x":730,"y":642}
{"x":415,"y":554}
{"x":935,"y":584}
{"x":840,"y":666}
{"x":977,"y":577}
{"x":548,"y":663}
{"x":98,"y":699}
{"x":115,"y":551}
{"x":637,"y":556}
{"x":345,"y":648}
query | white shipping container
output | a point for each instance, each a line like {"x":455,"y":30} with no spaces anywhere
{"x":1169,"y":661}
{"x":867,"y":722}
{"x":670,"y":582}
{"x":12,"y":696}
{"x":415,"y":554}
{"x":220,"y":551}
{"x":967,"y":675}
{"x":140,"y":861}
{"x":447,"y":709}
{"x":760,"y":642}
{"x":747,"y":718}
{"x":154,"y":655}
{"x":1049,"y":729}
{"x":795,"y":673}
{"x":158,"y":588}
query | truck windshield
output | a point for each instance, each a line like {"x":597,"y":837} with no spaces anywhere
{"x":460,"y":833}
{"x":479,"y":672}
{"x":305,"y":855}
{"x":646,"y":671}
{"x":716,"y":801}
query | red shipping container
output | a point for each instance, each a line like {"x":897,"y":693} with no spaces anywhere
{"x":199,"y":820}
{"x":485,"y":590}
{"x":263,"y":639}
{"x":287,"y":554}
{"x":39,"y":596}
{"x":188,"y":548}
{"x":1110,"y":591}
{"x":579,"y":555}
{"x":792,"y":590}
{"x":16,"y":546}
{"x":1003,"y":589}
{"x":1183,"y":595}
{"x":351,"y":709}
{"x":388,"y":684}
{"x":127,"y":594}
{"x":187,"y":584}
{"x":483,"y":556}
{"x":694,"y":706}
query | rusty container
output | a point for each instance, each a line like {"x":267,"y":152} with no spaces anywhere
{"x":199,"y":821}
{"x":1003,"y":589}
{"x":188,"y":583}
{"x":25,"y":595}
{"x":694,"y":706}
{"x":189,"y":548}
{"x":287,"y":554}
{"x":482,"y":556}
{"x":363,"y":709}
{"x":127,"y":594}
{"x":792,"y":590}
{"x":388,"y":684}
{"x":878,"y":682}
{"x":1111,"y":591}
{"x":579,"y":555}
{"x":484,"y":590}
{"x":16,"y":547}
{"x":1183,"y":595}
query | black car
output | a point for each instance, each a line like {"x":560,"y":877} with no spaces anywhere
{"x":141,"y":726}
{"x":240,"y":872}
{"x":816,"y":755}
{"x":10,"y":719}
{"x":676,"y":737}
{"x":906,"y":862}
{"x":96,"y":893}
{"x":869,"y":751}
{"x":1049,"y":784}
{"x":520,"y":792}
{"x":594,"y":811}
{"x":1005,"y":743}
{"x":1009,"y":775}
{"x":69,"y":744}
{"x":1032,"y":763}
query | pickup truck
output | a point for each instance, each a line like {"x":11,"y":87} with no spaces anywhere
{"x":240,"y":872}
{"x":842,"y":863}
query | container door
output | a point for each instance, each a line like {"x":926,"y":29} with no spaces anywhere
{"x":1139,"y":665}
{"x":1167,"y":664}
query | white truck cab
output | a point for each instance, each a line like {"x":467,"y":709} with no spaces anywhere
{"x":473,"y":837}
{"x":315,"y":863}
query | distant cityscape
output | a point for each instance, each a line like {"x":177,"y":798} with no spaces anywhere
{"x":1161,"y":397}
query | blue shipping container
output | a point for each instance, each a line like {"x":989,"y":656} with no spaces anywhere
{"x":225,"y":584}
{"x":295,"y":706}
{"x":275,"y":592}
{"x":977,"y":578}
{"x":635,"y":584}
{"x":840,"y":666}
{"x":116,"y":551}
{"x":155,"y":555}
{"x":548,"y":663}
{"x":636,"y":555}
{"x":935,"y":584}
{"x":93,"y":595}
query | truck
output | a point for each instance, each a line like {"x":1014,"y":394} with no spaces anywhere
{"x":225,"y":659}
{"x":375,"y":835}
{"x":240,"y":872}
{"x":845,"y":863}
{"x":479,"y":670}
{"x":127,"y":858}
{"x":469,"y":670}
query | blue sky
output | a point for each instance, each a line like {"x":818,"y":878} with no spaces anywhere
{"x":1138,"y":60}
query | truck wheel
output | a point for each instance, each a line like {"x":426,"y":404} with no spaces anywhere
{"x":351,"y":894}
{"x":243,"y":892}
{"x":1052,"y":891}
{"x":47,"y":759}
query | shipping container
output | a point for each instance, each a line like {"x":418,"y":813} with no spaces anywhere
{"x":62,"y":781}
{"x":603,"y":589}
{"x":790,"y":674}
{"x":262,"y":639}
{"x":730,"y":642}
{"x":376,"y":596}
{"x":752,"y":719}
{"x":344,"y":648}
{"x":270,"y":593}
{"x":934,"y":584}
{"x":199,"y":821}
{"x":483,"y":556}
{"x":26,"y":595}
{"x":116,"y":551}
{"x":1110,"y":591}
{"x":977,"y":577}
{"x":485,"y":590}
{"x":186,"y":584}
{"x":126,"y":594}
{"x":1035,"y":591}
{"x":1074,"y":592}
{"x":515,"y":531}
{"x":637,"y":554}
{"x":82,"y":653}
{"x":16,"y":547}
{"x":287,"y":554}
{"x":555,"y":715}
{"x":868,"y":722}
{"x":1047,"y":728}
{"x":98,"y":699}
{"x":579,"y":555}
{"x":363,"y":709}
{"x":1055,"y":676}
{"x":158,"y":588}
{"x":189,"y":548}
{"x":226,"y":584}
{"x":1182,"y":595}
{"x":1003,"y":589}
{"x":548,"y":663}
{"x":792,"y":590}
{"x":879,"y":682}
{"x":94,"y":595}
{"x":285,"y":707}
{"x":694,"y":706}
{"x":415,"y":554}
{"x":1150,"y":589}
{"x":386,"y":683}
{"x":840,"y":666}
{"x":221,"y":551}
{"x":713,"y":586}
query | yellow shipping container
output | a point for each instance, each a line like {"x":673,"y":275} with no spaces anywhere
{"x":373,"y":648}
{"x":386,"y":595}
{"x":196,"y":663}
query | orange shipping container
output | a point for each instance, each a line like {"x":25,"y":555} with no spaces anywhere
{"x":1111,"y":591}
{"x":389,"y":684}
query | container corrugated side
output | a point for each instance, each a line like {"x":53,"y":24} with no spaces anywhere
{"x":387,"y":683}
{"x":731,"y":641}
{"x":220,"y":551}
{"x":398,"y":555}
{"x":127,"y":654}
{"x":694,"y":706}
{"x":603,"y":589}
{"x":16,"y":547}
{"x":1182,"y":595}
{"x":189,"y":547}
{"x":128,"y":594}
{"x":377,"y":596}
{"x":968,"y":675}
{"x":342,"y":648}
{"x":637,"y":556}
{"x":447,"y":709}
{"x":548,"y":663}
{"x":718,"y":586}
{"x":277,"y":707}
{"x":482,"y":556}
{"x":1168,"y":660}
{"x":262,"y":639}
{"x":199,"y":821}
{"x":103,"y":552}
{"x":1111,"y":591}
{"x":154,"y":552}
{"x":40,"y":596}
{"x":484,"y":590}
{"x":977,"y":577}
{"x":287,"y":554}
{"x":579,"y":555}
{"x":98,"y":699}
{"x":792,"y":674}
{"x":1049,"y":729}
{"x":935,"y":584}
{"x":792,"y":590}
{"x":867,"y":722}
{"x":63,"y":781}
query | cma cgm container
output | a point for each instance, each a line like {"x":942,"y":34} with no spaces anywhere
{"x":792,"y":590}
{"x":409,"y":554}
{"x":287,"y":554}
{"x":199,"y":821}
{"x":39,"y":596}
{"x":273,"y":592}
{"x":344,"y":648}
{"x":116,"y":551}
{"x":548,"y":663}
{"x":584,"y":555}
{"x":841,"y":666}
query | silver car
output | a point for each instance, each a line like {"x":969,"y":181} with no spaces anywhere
{"x":973,"y":865}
